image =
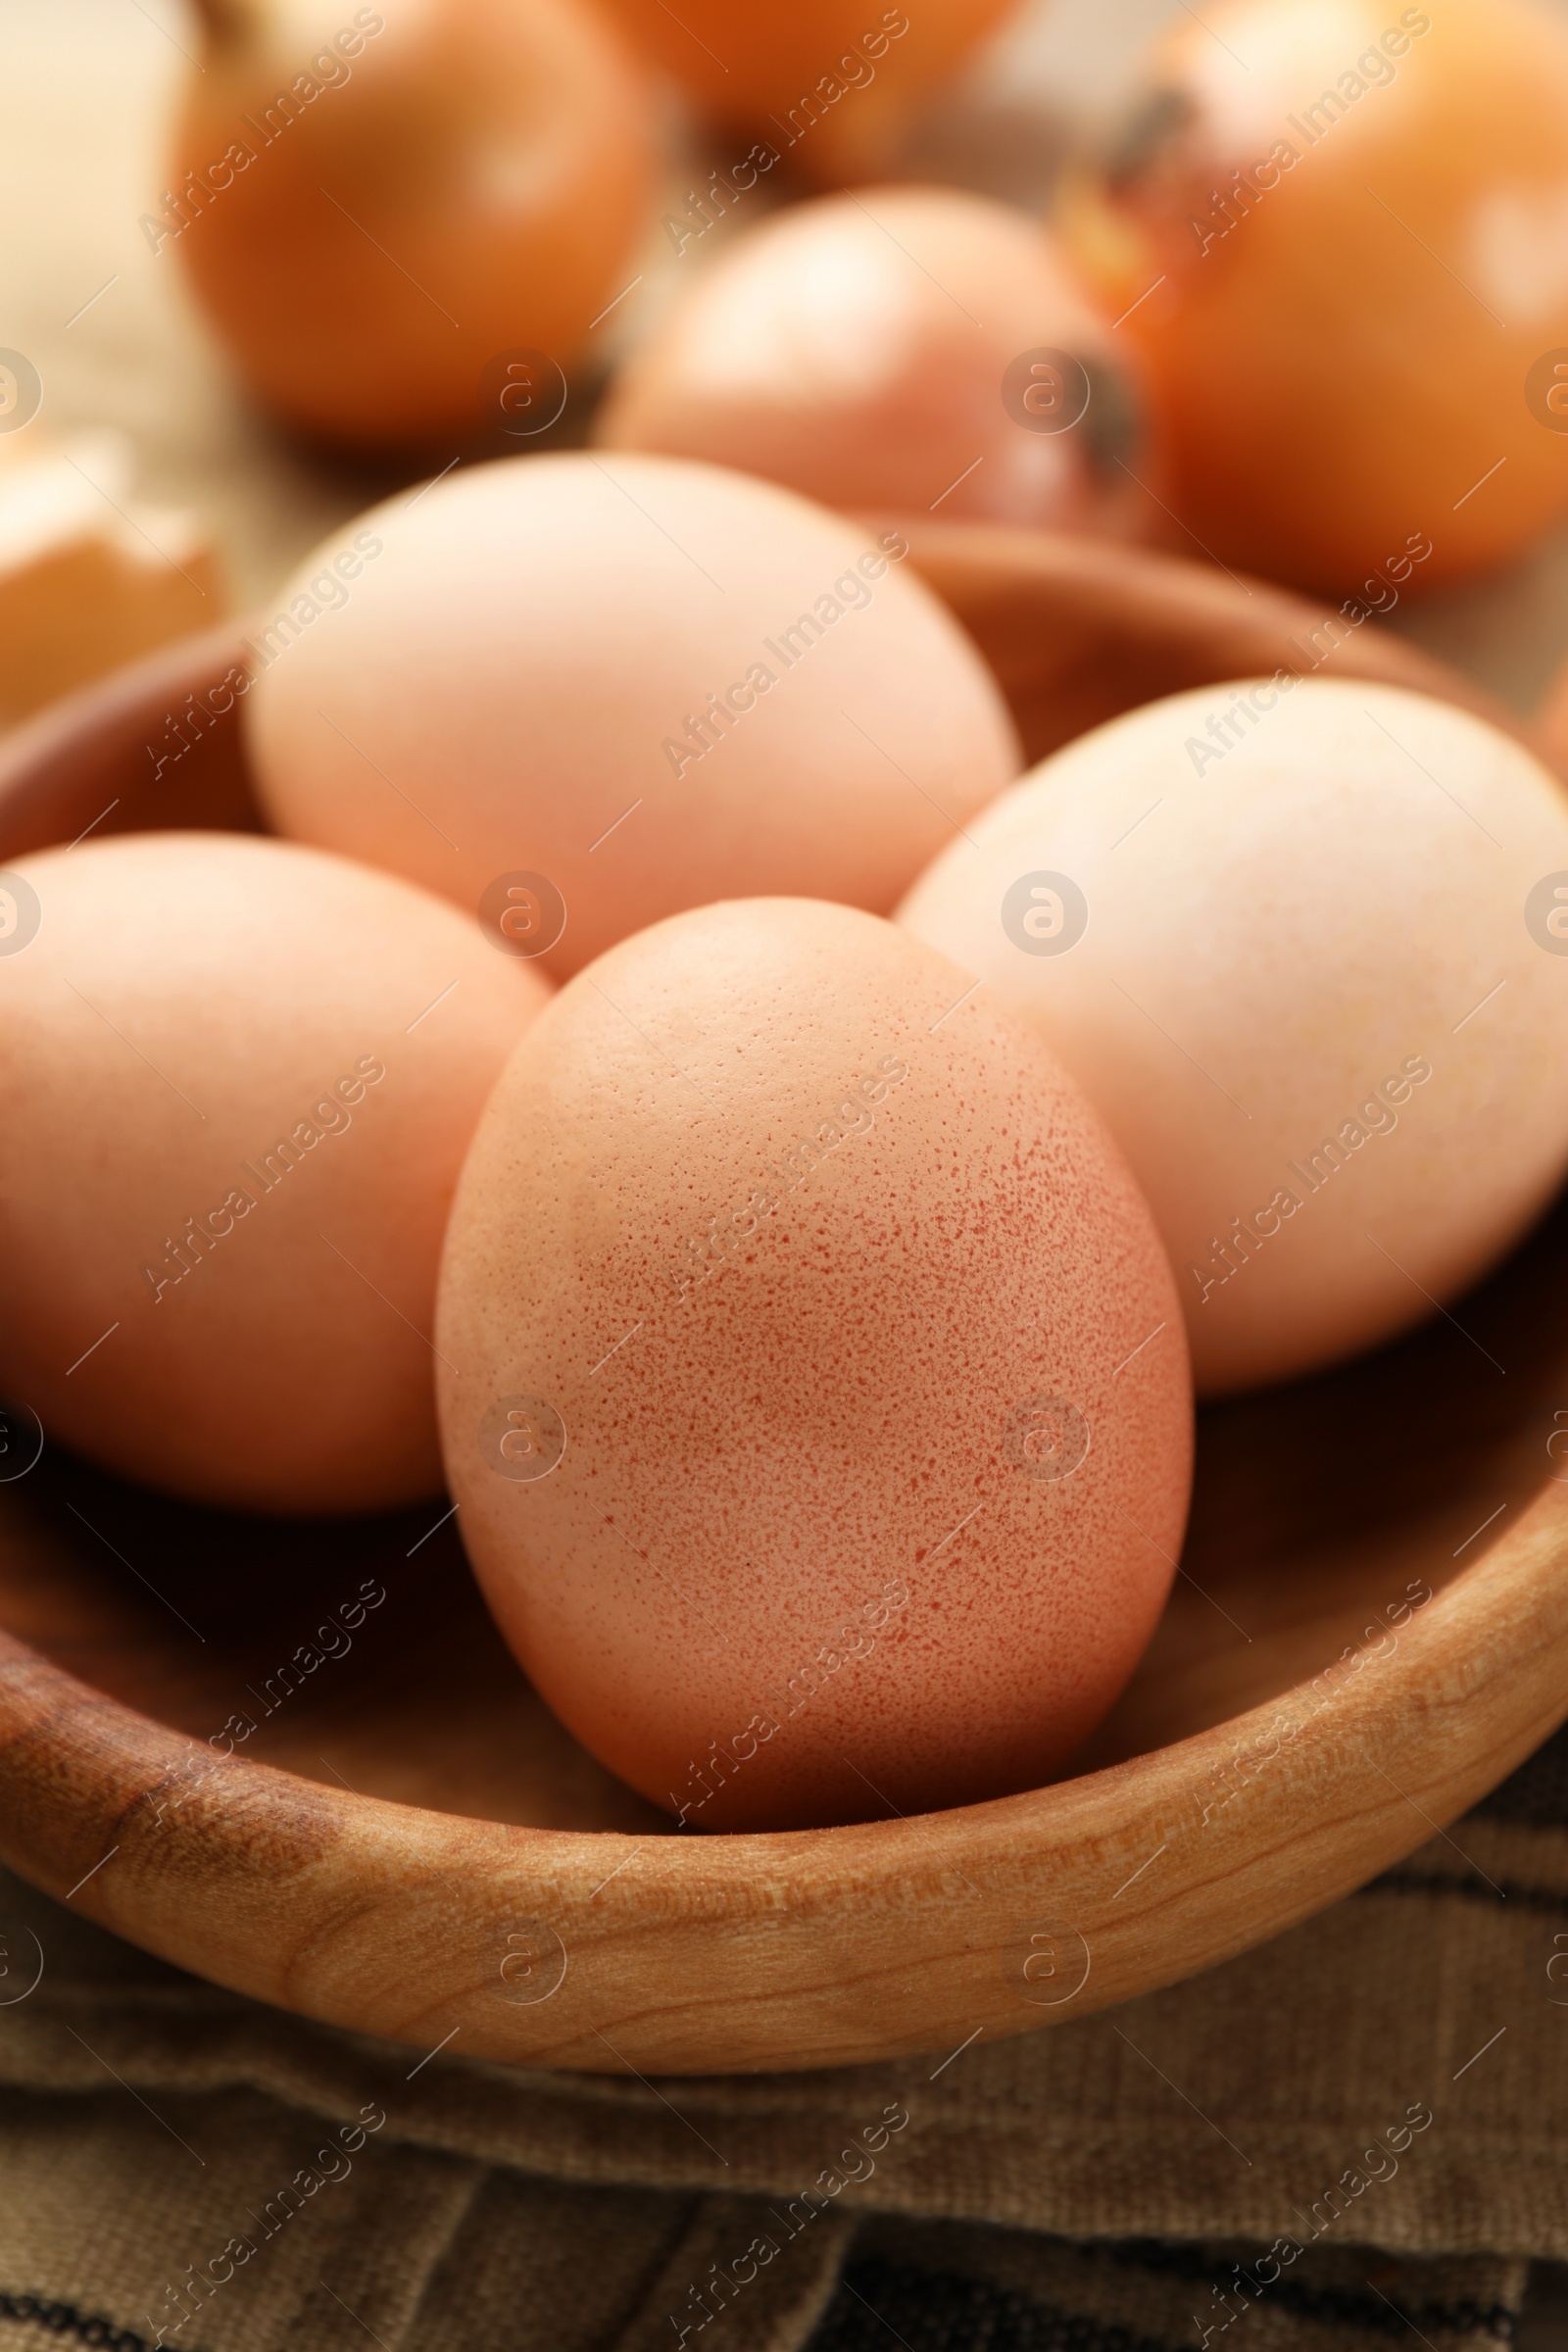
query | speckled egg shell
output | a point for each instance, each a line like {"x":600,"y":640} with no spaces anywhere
{"x":812,"y":1379}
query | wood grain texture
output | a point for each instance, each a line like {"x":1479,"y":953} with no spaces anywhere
{"x":704,"y":1955}
{"x":405,"y":1842}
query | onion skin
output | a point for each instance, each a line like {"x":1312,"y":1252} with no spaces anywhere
{"x":470,"y":179}
{"x":1338,"y":342}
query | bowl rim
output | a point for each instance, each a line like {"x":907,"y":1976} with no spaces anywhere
{"x":788,"y":1949}
{"x":781,"y":1950}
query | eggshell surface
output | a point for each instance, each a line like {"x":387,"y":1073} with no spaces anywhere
{"x":812,"y":1380}
{"x":901,"y":350}
{"x":239,"y":1079}
{"x":637,"y":683}
{"x":1295,"y":938}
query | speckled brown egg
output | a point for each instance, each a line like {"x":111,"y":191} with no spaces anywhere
{"x":239,"y":1078}
{"x":811,"y":1378}
{"x":621,"y":686}
{"x":1304,"y":942}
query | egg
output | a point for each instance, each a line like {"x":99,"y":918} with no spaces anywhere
{"x":239,"y":1078}
{"x":905,"y":350}
{"x":1302,"y":942}
{"x":812,"y":1380}
{"x":620,"y":687}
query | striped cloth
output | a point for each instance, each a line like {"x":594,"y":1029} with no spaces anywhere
{"x":1355,"y":2135}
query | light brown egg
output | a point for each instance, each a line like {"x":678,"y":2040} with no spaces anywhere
{"x":1305,"y":944}
{"x":905,"y":350}
{"x":618,"y":687}
{"x":239,"y":1080}
{"x":811,"y":1378}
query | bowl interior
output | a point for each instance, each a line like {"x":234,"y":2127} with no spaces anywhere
{"x":1316,"y":1505}
{"x":359,"y":1653}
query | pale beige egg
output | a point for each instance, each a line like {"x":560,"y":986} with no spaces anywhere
{"x":1306,"y":944}
{"x":239,"y":1078}
{"x":811,"y":1378}
{"x":577,"y":693}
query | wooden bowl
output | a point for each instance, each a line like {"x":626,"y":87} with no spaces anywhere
{"x":1551,"y":722}
{"x":1370,"y":1627}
